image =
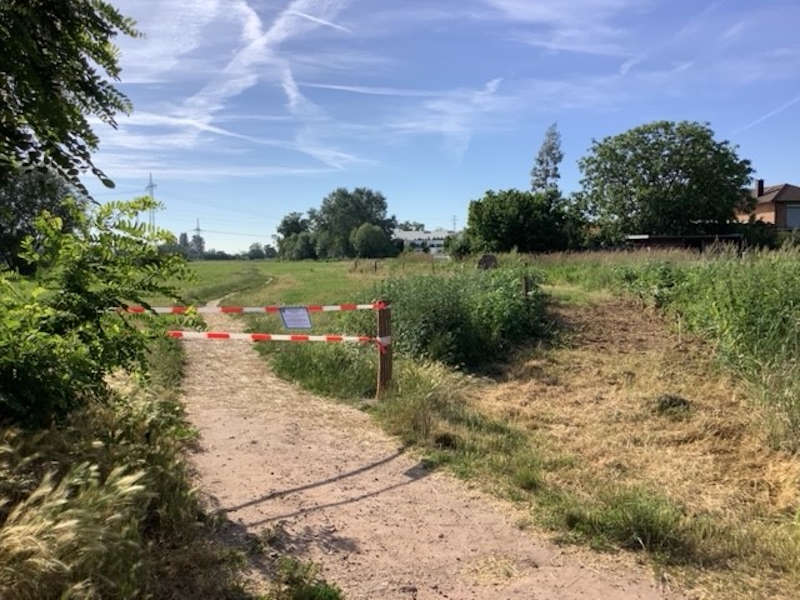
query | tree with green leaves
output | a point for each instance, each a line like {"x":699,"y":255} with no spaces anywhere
{"x":292,"y":224}
{"x":544,"y":174}
{"x":665,"y":178}
{"x":370,"y":241}
{"x":411,"y":226}
{"x":197,"y":247}
{"x":54,"y":69}
{"x":256,"y":251}
{"x":527,"y":221}
{"x":299,"y":246}
{"x":183,"y":242}
{"x":23,"y":197}
{"x":342,"y":212}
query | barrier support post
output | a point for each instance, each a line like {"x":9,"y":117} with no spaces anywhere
{"x":526,"y":287}
{"x":384,"y":350}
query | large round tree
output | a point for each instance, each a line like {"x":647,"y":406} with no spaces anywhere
{"x":665,"y":178}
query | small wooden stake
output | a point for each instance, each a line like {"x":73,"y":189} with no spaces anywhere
{"x":384,"y":350}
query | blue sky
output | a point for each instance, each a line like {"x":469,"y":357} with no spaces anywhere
{"x":245,"y":110}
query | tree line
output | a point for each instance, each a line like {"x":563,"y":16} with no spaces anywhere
{"x":347,"y":224}
{"x":194,"y":248}
{"x":661,"y":178}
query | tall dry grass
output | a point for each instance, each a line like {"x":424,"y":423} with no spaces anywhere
{"x":102,"y":506}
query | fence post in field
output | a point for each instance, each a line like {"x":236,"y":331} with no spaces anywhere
{"x":526,"y":286}
{"x":384,"y":350}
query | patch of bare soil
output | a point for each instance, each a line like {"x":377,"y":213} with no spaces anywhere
{"x":324,"y":483}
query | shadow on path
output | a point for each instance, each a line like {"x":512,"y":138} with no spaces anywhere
{"x":316,"y":484}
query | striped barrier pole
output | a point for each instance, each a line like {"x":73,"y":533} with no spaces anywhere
{"x":180,"y":310}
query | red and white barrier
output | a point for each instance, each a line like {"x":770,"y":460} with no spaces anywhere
{"x":382,"y":342}
{"x":179,"y":310}
{"x":271,"y":337}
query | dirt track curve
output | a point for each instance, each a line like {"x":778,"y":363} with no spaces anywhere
{"x":335,"y":489}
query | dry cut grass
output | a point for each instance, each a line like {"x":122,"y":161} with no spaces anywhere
{"x":653,"y":438}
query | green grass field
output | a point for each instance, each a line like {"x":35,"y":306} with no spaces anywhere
{"x":262,"y":282}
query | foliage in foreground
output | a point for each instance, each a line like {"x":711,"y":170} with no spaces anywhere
{"x":58,"y":330}
{"x":52,"y":67}
{"x":103,"y":507}
{"x":22,"y":199}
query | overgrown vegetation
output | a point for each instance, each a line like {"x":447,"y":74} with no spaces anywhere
{"x":102,"y":506}
{"x":444,"y":413}
{"x":95,"y":497}
{"x":465,"y":318}
{"x":59,"y":336}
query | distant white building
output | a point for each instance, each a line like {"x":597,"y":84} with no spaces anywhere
{"x":419,"y":240}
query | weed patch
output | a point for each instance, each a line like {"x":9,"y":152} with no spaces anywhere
{"x":297,"y":580}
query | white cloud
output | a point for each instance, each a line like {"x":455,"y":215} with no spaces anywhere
{"x":456,"y":115}
{"x":177,"y":31}
{"x":172,"y":29}
{"x":584,"y":26}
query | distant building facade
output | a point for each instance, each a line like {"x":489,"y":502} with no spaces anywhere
{"x":775,"y":204}
{"x":419,"y":241}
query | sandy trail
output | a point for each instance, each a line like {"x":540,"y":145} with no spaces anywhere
{"x":344,"y":494}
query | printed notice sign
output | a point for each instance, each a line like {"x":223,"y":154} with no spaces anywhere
{"x":295,"y":317}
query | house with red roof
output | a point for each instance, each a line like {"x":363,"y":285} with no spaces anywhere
{"x":776,"y":204}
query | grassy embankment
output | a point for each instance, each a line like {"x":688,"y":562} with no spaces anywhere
{"x":498,"y":433}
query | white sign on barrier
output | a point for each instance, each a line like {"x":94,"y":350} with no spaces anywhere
{"x":295,"y":317}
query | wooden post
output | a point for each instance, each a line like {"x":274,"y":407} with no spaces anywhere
{"x":385,"y":350}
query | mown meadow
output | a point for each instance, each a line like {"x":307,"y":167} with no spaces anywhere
{"x":747,"y":307}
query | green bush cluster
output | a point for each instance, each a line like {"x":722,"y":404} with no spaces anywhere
{"x":465,"y":318}
{"x":59,"y":331}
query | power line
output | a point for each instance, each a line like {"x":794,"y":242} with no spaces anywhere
{"x":233,"y":233}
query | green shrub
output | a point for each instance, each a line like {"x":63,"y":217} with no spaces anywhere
{"x":59,"y":333}
{"x":467,"y":318}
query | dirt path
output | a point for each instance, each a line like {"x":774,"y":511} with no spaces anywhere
{"x":333,"y":488}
